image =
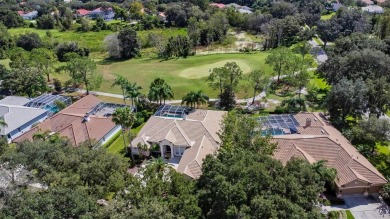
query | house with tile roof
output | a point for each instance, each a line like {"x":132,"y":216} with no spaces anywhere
{"x":310,"y":136}
{"x":19,"y":118}
{"x":82,"y":12}
{"x":86,"y":120}
{"x":105,"y":13}
{"x":183,"y":138}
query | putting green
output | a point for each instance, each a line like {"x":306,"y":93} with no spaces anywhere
{"x":204,"y":70}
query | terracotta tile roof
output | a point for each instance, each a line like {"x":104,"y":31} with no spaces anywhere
{"x":83,"y":12}
{"x":198,"y":132}
{"x":192,"y":160}
{"x":70,"y":123}
{"x":329,"y":145}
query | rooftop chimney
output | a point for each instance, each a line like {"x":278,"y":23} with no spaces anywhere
{"x":308,"y":122}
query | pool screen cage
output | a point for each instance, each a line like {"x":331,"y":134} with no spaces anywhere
{"x":172,"y":111}
{"x":48,"y":101}
{"x":278,"y":124}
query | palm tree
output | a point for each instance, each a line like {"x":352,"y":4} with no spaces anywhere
{"x":166,"y":92}
{"x":328,"y":175}
{"x":189,"y":99}
{"x":133,"y":92}
{"x":159,"y":90}
{"x":125,"y":118}
{"x":158,"y":164}
{"x":3,"y":124}
{"x":123,"y":83}
{"x":200,"y":98}
{"x":40,"y":136}
{"x":153,"y":94}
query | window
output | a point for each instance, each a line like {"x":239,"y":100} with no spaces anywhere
{"x":179,"y":151}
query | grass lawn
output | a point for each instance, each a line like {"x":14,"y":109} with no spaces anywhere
{"x":93,"y":40}
{"x":117,"y":147}
{"x":113,"y":100}
{"x":327,"y":16}
{"x":183,"y":75}
{"x":349,"y":214}
{"x":383,"y":148}
{"x":318,"y":41}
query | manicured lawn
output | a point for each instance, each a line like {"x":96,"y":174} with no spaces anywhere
{"x":93,"y":40}
{"x":317,"y":82}
{"x":349,"y":214}
{"x":318,"y":41}
{"x":112,"y":99}
{"x":327,"y":16}
{"x":383,"y":148}
{"x":175,"y":72}
{"x":117,"y":147}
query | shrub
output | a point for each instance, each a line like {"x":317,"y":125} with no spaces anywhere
{"x":70,"y":47}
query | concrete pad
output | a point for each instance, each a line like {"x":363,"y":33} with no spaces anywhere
{"x":365,"y":208}
{"x":359,"y":215}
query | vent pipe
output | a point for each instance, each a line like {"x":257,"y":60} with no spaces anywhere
{"x":308,"y":122}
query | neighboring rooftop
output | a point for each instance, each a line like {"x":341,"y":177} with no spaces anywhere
{"x":218,"y":5}
{"x":373,"y":9}
{"x":317,"y":140}
{"x":14,"y":100}
{"x":76,"y":123}
{"x":16,"y":116}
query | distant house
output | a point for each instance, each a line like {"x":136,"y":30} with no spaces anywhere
{"x":218,"y":5}
{"x":241,"y":9}
{"x":162,"y":16}
{"x":28,"y":15}
{"x":82,"y":12}
{"x":337,"y":6}
{"x":18,"y":117}
{"x":106,"y":14}
{"x":183,"y":137}
{"x":234,"y":5}
{"x":245,"y":11}
{"x":375,"y":9}
{"x":87,"y":120}
{"x":311,"y":137}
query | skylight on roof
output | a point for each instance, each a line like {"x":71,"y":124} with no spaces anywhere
{"x":278,"y":124}
{"x":171,"y":111}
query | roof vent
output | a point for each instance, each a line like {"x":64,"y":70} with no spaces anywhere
{"x":308,"y":122}
{"x":86,"y":117}
{"x":322,"y":131}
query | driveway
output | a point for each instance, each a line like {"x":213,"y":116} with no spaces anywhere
{"x":318,"y":53}
{"x":366,"y":208}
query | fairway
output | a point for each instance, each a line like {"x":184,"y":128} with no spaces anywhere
{"x":204,"y":70}
{"x":180,"y":74}
{"x":94,"y":40}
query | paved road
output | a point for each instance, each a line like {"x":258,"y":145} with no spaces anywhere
{"x":318,"y":52}
{"x":248,"y":101}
